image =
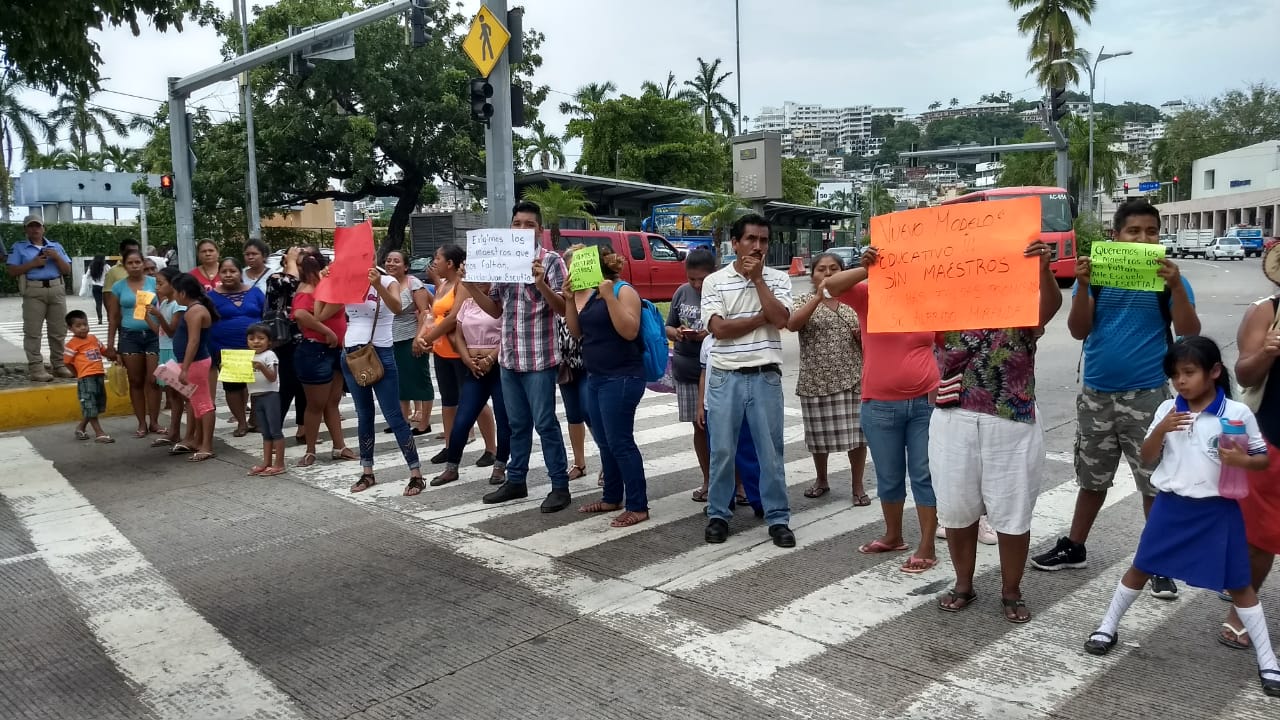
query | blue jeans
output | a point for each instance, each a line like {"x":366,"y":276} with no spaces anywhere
{"x":476,"y":391}
{"x":575,"y":412}
{"x":530,"y":398}
{"x":388,"y":391}
{"x":732,"y":398}
{"x":611,"y":402}
{"x":898,"y":435}
{"x":748,"y":468}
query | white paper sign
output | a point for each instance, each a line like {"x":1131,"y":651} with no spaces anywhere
{"x":500,"y":255}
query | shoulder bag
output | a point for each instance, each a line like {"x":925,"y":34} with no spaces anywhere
{"x":363,"y":362}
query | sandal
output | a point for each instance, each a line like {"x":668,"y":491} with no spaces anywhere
{"x":880,"y":546}
{"x":1237,"y":642}
{"x":161,"y":442}
{"x":272,"y":471}
{"x":415,"y":486}
{"x":343,"y":454}
{"x":200,"y":457}
{"x":240,"y":432}
{"x":308,"y":459}
{"x":700,"y":495}
{"x":140,"y":434}
{"x":599,"y":507}
{"x":861,"y":500}
{"x":179,"y":449}
{"x":82,"y":435}
{"x":256,"y":470}
{"x":916,"y":565}
{"x":954,"y":601}
{"x":577,"y":471}
{"x":741,"y":499}
{"x":365,"y":482}
{"x":104,"y":439}
{"x":629,"y":518}
{"x":815,"y":491}
{"x":1015,"y":610}
{"x":600,"y":479}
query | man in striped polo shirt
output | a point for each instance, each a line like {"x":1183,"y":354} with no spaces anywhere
{"x":745,"y":305}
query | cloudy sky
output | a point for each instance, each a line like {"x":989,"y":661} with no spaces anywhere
{"x":833,"y":52}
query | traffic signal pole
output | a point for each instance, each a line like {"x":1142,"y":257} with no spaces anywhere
{"x":180,"y":90}
{"x":499,"y":162}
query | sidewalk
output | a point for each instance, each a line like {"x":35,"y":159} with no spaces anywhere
{"x":11,"y":352}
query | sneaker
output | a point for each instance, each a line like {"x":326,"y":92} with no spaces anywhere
{"x":986,"y":535}
{"x":1065,"y":555}
{"x":1163,"y":588}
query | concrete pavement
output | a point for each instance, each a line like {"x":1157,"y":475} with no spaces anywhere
{"x":140,"y":586}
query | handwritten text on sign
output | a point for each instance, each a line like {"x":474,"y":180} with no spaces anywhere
{"x":500,"y":255}
{"x":584,"y":269}
{"x":1131,"y":266}
{"x":955,"y":267}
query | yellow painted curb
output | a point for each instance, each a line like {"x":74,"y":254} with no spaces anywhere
{"x":49,"y":404}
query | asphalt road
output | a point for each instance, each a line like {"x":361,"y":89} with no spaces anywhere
{"x":135,"y":585}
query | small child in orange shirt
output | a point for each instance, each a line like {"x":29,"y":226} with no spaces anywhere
{"x":83,"y":354}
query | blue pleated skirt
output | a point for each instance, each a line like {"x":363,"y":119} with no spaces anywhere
{"x":1199,"y":541}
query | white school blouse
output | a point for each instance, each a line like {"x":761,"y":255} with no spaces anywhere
{"x":1189,"y":466}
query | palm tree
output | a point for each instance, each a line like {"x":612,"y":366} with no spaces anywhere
{"x":935,"y":104}
{"x":1108,"y":163}
{"x":717,"y":211}
{"x":707,"y":100}
{"x":586,"y":98}
{"x":20,"y":122}
{"x":122,"y":159}
{"x":559,"y":202}
{"x":670,"y":90}
{"x":55,"y":159}
{"x":954,"y":102}
{"x":544,"y":147}
{"x":82,"y":119}
{"x":1053,"y":36}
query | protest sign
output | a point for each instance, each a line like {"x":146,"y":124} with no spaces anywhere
{"x":237,"y":365}
{"x":955,"y":267}
{"x":1131,"y":266}
{"x":584,"y":269}
{"x":500,"y":255}
{"x":144,"y":298}
{"x":169,"y":373}
{"x":348,"y":280}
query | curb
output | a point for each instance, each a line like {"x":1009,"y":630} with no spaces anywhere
{"x":50,"y":404}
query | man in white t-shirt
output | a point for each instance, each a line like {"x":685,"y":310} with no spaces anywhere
{"x":745,"y":305}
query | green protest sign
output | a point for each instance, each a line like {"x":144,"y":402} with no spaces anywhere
{"x":1131,"y":266}
{"x":584,"y":269}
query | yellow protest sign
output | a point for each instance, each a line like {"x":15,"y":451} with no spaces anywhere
{"x":485,"y":41}
{"x":237,"y":366}
{"x":1131,"y":266}
{"x":955,"y":267}
{"x":144,"y":298}
{"x":584,"y":269}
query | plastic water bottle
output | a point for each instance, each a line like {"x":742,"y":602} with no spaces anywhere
{"x":1233,"y":482}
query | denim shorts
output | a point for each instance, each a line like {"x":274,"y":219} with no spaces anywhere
{"x":315,"y":363}
{"x":138,"y":342}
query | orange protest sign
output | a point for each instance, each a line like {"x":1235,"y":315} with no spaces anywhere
{"x":955,"y":267}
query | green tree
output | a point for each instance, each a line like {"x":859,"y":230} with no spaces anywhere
{"x":17,"y":122}
{"x":1004,"y":96}
{"x":876,"y":200}
{"x":1050,"y":25}
{"x":1108,"y":163}
{"x":708,"y":102}
{"x":83,"y":119}
{"x":1027,"y":168}
{"x":544,"y":148}
{"x":935,"y":104}
{"x":669,"y":90}
{"x":954,"y":102}
{"x":122,"y":159}
{"x":47,"y":41}
{"x":55,"y":159}
{"x":979,"y":129}
{"x":558,"y":202}
{"x":797,"y":185}
{"x":718,"y":212}
{"x":880,"y":125}
{"x":652,"y":140}
{"x":586,"y":98}
{"x":899,"y":138}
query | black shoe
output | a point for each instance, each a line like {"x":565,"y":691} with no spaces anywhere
{"x":416,"y":432}
{"x":1100,"y":643}
{"x":758,"y":510}
{"x":1270,"y":682}
{"x":486,"y":459}
{"x":1163,"y":588}
{"x":388,"y":430}
{"x":505,"y":492}
{"x":556,"y":501}
{"x":782,"y":536}
{"x":440,"y":456}
{"x":1065,"y":555}
{"x":717,"y":531}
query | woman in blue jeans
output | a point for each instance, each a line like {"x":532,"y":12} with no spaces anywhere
{"x":476,"y":339}
{"x":613,"y":356}
{"x":369,"y":322}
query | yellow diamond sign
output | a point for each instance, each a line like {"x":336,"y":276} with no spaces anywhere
{"x":485,"y":41}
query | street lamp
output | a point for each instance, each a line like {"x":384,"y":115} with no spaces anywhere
{"x":1094,"y":208}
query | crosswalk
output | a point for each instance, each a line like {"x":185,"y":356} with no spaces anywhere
{"x":771,"y":622}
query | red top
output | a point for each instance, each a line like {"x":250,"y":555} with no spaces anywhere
{"x":895,"y":366}
{"x":205,"y":280}
{"x":337,"y":323}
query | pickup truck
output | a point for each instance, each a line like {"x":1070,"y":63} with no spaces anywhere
{"x":652,"y":265}
{"x":1194,"y":242}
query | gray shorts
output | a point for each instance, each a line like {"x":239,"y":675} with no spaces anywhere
{"x":267,"y":415}
{"x":1111,"y":425}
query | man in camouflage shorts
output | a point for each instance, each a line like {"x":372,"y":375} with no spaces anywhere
{"x":1126,"y":334}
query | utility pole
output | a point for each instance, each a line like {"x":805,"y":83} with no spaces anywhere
{"x":246,"y":100}
{"x":498,"y":154}
{"x":737,"y":50}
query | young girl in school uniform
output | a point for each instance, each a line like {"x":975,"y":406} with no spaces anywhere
{"x":1193,"y":533}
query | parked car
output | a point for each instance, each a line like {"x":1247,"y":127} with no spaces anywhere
{"x":276,"y":259}
{"x":652,"y":265}
{"x":1224,"y":248}
{"x":850,"y":257}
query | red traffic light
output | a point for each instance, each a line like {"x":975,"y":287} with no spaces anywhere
{"x":1126,"y":186}
{"x":1175,"y":179}
{"x":166,"y":185}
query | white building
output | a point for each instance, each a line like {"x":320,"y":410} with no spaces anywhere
{"x":1172,"y":108}
{"x":970,"y":110}
{"x":987,"y":175}
{"x":847,"y":129}
{"x":1239,"y":186}
{"x":1138,"y":139}
{"x":827,"y":189}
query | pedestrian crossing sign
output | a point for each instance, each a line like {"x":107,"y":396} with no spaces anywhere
{"x":485,"y":41}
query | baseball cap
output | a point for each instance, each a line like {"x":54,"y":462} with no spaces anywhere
{"x":33,"y":220}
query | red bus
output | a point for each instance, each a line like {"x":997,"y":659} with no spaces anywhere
{"x":1057,"y":229}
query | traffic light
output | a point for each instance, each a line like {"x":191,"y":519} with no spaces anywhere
{"x":417,"y":26}
{"x":1126,"y":187}
{"x":299,"y":66}
{"x":166,"y":185}
{"x":1057,"y":103}
{"x":481,"y":108}
{"x":517,"y":105}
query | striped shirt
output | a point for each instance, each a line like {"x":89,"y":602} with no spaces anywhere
{"x":729,"y":294}
{"x":529,"y":339}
